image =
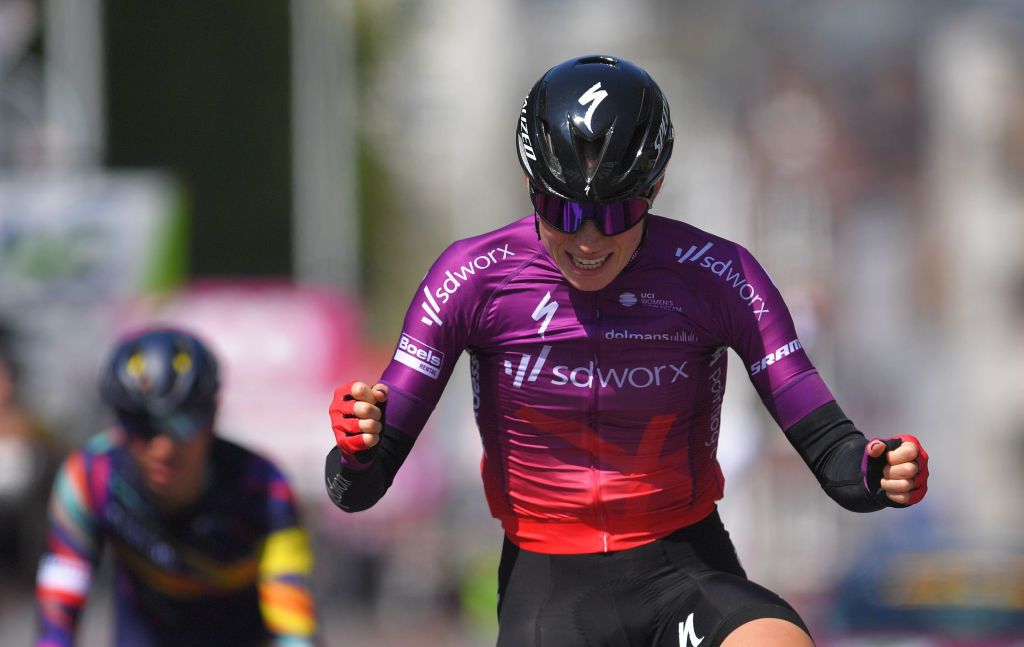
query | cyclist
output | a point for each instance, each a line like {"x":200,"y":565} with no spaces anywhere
{"x":596,"y":333}
{"x":206,"y":542}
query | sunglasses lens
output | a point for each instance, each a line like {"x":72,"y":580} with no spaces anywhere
{"x":558,"y":212}
{"x":616,"y":217}
{"x":181,"y":425}
{"x":611,"y":218}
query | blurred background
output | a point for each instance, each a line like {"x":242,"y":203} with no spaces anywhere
{"x":279,"y":175}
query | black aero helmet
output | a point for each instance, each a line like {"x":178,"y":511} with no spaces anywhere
{"x":595,"y":129}
{"x":161,"y":381}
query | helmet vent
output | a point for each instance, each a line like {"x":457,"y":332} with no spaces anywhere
{"x":549,"y":153}
{"x":600,"y":60}
{"x":590,"y":152}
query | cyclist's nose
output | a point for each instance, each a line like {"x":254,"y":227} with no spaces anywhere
{"x":588,"y":235}
{"x":162,"y":446}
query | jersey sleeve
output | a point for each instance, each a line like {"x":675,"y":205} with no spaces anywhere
{"x":438,"y":326}
{"x":760,"y":329}
{"x":73,"y":548}
{"x":285,"y":569}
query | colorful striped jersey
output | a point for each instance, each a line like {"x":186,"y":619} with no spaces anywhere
{"x":233,"y":570}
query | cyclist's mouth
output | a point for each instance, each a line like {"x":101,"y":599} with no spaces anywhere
{"x":588,"y":264}
{"x":162,"y":473}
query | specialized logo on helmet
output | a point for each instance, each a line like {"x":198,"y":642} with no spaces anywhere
{"x":525,"y":145}
{"x":659,"y":140}
{"x":594,"y":96}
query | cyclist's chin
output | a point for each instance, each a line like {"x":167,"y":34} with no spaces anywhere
{"x":590,"y":280}
{"x":161,"y":477}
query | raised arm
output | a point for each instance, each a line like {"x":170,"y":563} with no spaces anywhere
{"x":73,"y":549}
{"x":368,"y":453}
{"x":376,"y":426}
{"x":858,"y":474}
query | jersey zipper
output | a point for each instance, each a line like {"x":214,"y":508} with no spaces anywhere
{"x":594,"y":437}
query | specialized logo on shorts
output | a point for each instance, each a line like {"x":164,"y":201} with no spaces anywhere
{"x":583,"y":377}
{"x":687,"y":635}
{"x":544,"y":310}
{"x":419,"y":356}
{"x":723,"y":270}
{"x":594,"y":96}
{"x":783,"y":351}
{"x":678,"y":336}
{"x":454,"y":280}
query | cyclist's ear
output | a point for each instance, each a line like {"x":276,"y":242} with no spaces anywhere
{"x":656,"y":189}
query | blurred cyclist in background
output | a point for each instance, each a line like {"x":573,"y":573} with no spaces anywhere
{"x":597,"y":335}
{"x":205,"y":535}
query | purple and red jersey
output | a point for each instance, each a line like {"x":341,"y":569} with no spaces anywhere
{"x":599,"y":412}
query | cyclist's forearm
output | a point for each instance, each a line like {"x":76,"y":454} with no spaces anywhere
{"x":62,"y":587}
{"x":286,"y":599}
{"x":833,"y":448}
{"x":355,"y":486}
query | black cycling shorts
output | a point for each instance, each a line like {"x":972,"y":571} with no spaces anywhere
{"x":683,"y":590}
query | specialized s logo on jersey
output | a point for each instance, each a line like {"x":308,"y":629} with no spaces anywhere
{"x":594,"y":96}
{"x":544,"y":310}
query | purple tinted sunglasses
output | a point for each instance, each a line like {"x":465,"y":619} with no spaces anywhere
{"x":566,"y":215}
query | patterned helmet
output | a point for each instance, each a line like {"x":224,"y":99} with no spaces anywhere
{"x":161,"y":381}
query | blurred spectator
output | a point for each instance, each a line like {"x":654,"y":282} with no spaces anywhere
{"x":26,"y":457}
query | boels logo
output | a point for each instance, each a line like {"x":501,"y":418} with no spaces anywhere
{"x":419,"y":356}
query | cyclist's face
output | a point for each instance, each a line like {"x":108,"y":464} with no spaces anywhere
{"x":173,"y":470}
{"x":588,"y":259}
